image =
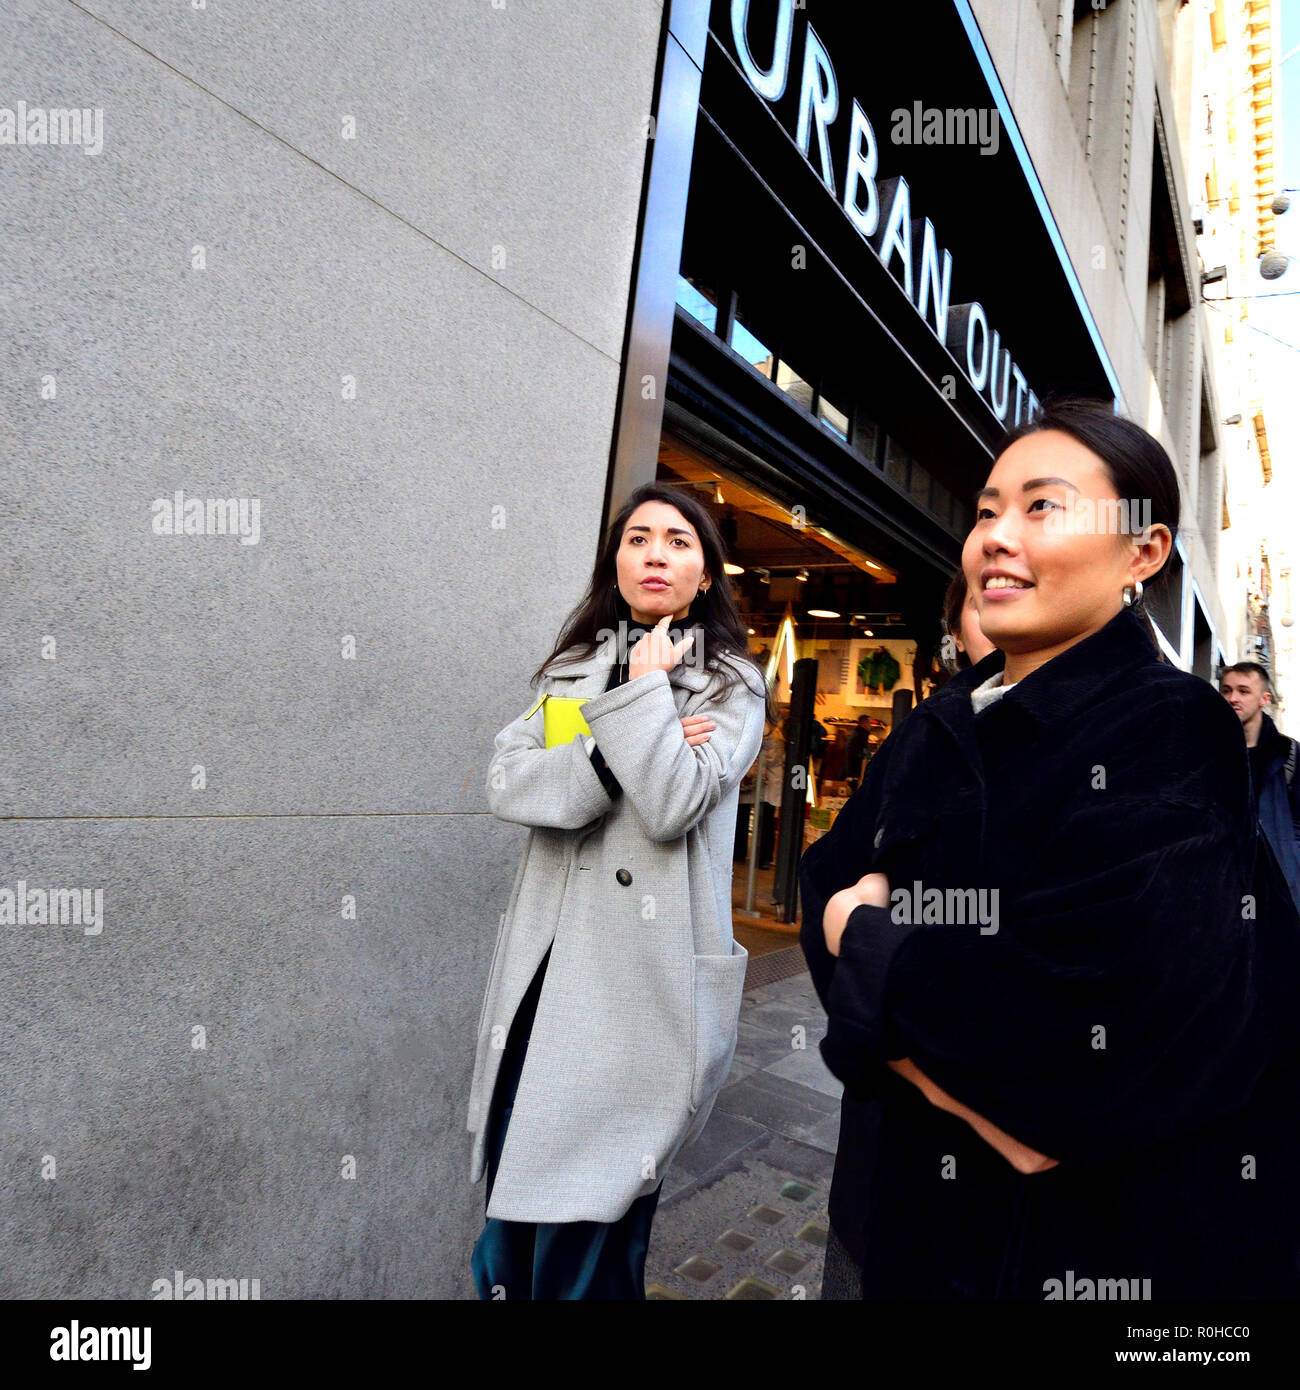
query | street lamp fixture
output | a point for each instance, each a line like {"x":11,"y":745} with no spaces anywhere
{"x":1273,"y":264}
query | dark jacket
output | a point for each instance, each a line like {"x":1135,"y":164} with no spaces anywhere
{"x":1129,"y":1016}
{"x":1278,"y":802}
{"x":858,"y":741}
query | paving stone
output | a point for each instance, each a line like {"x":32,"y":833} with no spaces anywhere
{"x":759,"y":1047}
{"x":825,"y":1135}
{"x":724,"y":1136}
{"x":769,"y":1216}
{"x":768,"y":1151}
{"x":739,"y":1071}
{"x":805,"y":1065}
{"x":780,"y":1016}
{"x":787,"y":1261}
{"x":754,"y":1288}
{"x":676,"y":1180}
{"x":807,"y":1164}
{"x":698,"y":1268}
{"x":784,"y":1106}
{"x":723,"y":1204}
{"x":795,"y":987}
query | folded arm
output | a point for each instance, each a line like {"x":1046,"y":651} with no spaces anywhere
{"x":671,"y":785}
{"x":1114,"y":1006}
{"x":1019,"y":1156}
{"x":530,"y":784}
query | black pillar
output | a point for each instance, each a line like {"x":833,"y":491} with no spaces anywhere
{"x":794,"y":786}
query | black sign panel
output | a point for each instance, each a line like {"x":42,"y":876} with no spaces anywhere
{"x":877,"y":131}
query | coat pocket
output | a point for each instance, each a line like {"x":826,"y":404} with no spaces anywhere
{"x":717,"y":984}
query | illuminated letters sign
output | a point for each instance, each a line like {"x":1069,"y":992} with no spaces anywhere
{"x":881,"y":210}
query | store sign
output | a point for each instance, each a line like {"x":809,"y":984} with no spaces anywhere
{"x":881,"y":210}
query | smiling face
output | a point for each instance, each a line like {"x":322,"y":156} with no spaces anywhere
{"x":1044,"y":568}
{"x":659,"y":545}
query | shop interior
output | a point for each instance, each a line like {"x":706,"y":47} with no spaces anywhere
{"x":803,"y":592}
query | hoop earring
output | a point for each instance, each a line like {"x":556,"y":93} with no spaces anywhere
{"x":1132,"y":593}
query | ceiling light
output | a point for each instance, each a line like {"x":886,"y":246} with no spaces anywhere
{"x":729,"y":568}
{"x":822,"y":613}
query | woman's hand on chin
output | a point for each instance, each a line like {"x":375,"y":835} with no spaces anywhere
{"x":656,"y":651}
{"x":869,"y":891}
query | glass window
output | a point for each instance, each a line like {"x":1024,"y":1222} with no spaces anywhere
{"x":699,"y":300}
{"x":751,"y":348}
{"x":794,"y":385}
{"x":833,"y":418}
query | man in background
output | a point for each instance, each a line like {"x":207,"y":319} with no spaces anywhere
{"x":857,"y":750}
{"x":1248,"y":688}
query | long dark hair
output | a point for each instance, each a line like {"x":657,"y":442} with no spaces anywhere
{"x":954,"y":600}
{"x":713,"y":615}
{"x":1136,"y":463}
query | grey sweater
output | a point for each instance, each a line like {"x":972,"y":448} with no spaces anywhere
{"x":983,"y":695}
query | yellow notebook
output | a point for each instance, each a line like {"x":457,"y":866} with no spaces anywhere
{"x":563,"y":718}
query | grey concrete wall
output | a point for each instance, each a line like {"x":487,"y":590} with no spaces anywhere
{"x":405,"y":346}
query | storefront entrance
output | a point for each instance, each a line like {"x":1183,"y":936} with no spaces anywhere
{"x":805,"y":592}
{"x":851,"y":336}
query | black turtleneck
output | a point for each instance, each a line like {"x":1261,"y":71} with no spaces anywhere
{"x":618,"y":675}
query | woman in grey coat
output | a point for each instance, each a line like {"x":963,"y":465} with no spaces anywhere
{"x":609,"y":1019}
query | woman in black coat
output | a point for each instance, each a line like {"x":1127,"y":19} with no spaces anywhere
{"x":1060,"y":990}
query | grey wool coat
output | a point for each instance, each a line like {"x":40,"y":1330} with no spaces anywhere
{"x":636,"y":1023}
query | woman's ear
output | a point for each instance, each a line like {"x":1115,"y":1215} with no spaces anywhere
{"x":1153,"y":551}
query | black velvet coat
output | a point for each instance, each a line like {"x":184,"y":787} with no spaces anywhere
{"x":1132,"y":1015}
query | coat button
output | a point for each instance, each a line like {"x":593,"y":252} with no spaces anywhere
{"x":880,"y":835}
{"x":623,"y":877}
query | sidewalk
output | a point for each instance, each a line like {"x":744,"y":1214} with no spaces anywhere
{"x":742,"y":1213}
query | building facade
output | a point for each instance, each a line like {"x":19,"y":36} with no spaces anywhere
{"x":1228,"y":73}
{"x":367,"y":267}
{"x":437,"y":307}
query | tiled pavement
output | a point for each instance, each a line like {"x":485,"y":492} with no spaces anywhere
{"x":742,"y":1213}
